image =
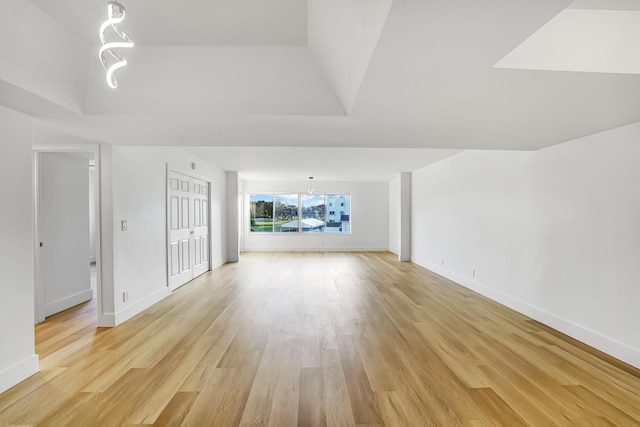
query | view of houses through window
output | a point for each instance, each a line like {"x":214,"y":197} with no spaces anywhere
{"x":300,"y":213}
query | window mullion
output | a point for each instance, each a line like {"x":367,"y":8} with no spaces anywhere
{"x":299,"y":212}
{"x":324,"y":230}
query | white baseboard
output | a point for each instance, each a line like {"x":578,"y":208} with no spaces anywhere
{"x":19,"y":372}
{"x":106,"y":320}
{"x":320,"y":249}
{"x":115,"y":319}
{"x":139,"y":306}
{"x":217,"y":263}
{"x":594,"y":339}
{"x":67,"y":302}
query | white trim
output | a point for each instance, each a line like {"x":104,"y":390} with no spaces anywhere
{"x":300,"y":207}
{"x":106,"y":320}
{"x":19,"y":372}
{"x":138,"y":307}
{"x":592,"y":338}
{"x":68,"y":302}
{"x":104,"y":236}
{"x":39,"y":310}
{"x":95,"y":149}
{"x":67,"y":148}
{"x":188,"y":172}
{"x":167,"y":231}
{"x":209,"y":182}
{"x":217,"y":263}
{"x":320,"y":249}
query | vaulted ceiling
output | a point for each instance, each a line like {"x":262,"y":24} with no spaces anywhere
{"x":359,"y":77}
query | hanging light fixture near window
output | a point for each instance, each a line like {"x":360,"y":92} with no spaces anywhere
{"x":110,"y":59}
{"x":311,"y":185}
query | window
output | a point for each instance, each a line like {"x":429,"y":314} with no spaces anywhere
{"x":313,"y":218}
{"x":261,"y":206}
{"x":286,"y":216}
{"x":339,"y":223}
{"x":299,"y":213}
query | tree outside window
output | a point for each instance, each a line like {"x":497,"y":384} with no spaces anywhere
{"x":261,"y":207}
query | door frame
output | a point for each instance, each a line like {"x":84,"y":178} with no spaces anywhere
{"x":191,"y":174}
{"x":39,"y":304}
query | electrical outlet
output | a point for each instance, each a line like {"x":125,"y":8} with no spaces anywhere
{"x":125,"y":296}
{"x":442,"y":261}
{"x":474,"y":273}
{"x":124,"y":225}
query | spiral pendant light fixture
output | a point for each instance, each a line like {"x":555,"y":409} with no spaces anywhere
{"x":311,"y":191}
{"x":111,"y":60}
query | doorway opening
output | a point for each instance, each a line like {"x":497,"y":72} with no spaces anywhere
{"x":67,"y":232}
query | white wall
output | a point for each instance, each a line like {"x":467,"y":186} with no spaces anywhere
{"x":369,"y":218}
{"x":64,"y":229}
{"x":405,"y":217}
{"x":394,"y":216}
{"x":241,"y":208}
{"x":554,"y":234}
{"x":17,"y":353}
{"x":233,"y":217}
{"x":139,"y":197}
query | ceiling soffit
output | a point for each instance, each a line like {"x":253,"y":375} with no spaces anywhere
{"x":190,"y":22}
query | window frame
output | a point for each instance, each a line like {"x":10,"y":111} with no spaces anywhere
{"x":300,"y":195}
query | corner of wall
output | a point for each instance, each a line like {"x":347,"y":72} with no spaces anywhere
{"x":138,"y":307}
{"x":607,"y":345}
{"x":19,"y":372}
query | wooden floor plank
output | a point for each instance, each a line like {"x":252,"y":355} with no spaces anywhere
{"x":344,"y":339}
{"x":284,"y":411}
{"x":361,"y":395}
{"x":175,"y":412}
{"x":336,"y":397}
{"x":258,"y":407}
{"x":311,"y":407}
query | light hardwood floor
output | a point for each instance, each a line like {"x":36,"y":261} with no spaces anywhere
{"x":311,"y":339}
